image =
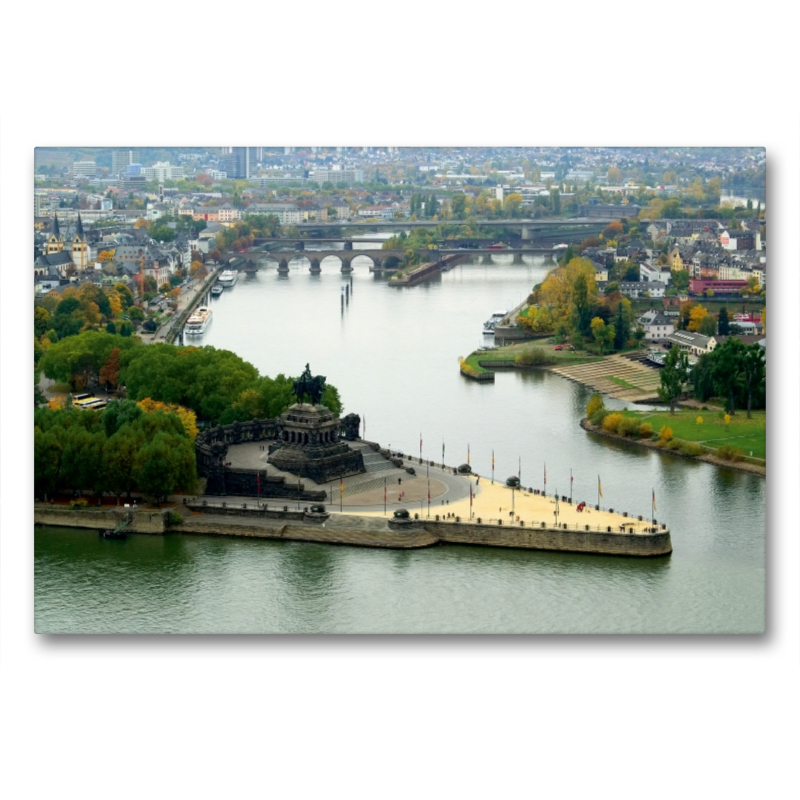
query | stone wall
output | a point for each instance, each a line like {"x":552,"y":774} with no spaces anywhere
{"x":143,"y":521}
{"x":574,"y":541}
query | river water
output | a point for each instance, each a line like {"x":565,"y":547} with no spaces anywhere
{"x":393,"y":354}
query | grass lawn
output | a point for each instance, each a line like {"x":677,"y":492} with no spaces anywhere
{"x":746,"y":434}
{"x":623,"y":383}
{"x":511,"y":351}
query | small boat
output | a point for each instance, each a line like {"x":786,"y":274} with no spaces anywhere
{"x":217,"y":289}
{"x":198,"y":321}
{"x":116,"y":533}
{"x":488,"y":330}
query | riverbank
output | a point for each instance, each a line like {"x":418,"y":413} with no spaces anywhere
{"x":744,"y":465}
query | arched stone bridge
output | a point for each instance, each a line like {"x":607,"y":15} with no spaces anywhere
{"x":314,"y":257}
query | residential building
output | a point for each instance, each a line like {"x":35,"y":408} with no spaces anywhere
{"x":348,"y":176}
{"x":693,"y":343}
{"x":656,"y":325}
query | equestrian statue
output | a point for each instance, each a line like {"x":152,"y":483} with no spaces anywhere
{"x":306,"y":384}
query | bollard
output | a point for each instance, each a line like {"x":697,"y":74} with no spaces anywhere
{"x":500,"y":522}
{"x":608,"y":528}
{"x":586,"y":527}
{"x":624,"y":513}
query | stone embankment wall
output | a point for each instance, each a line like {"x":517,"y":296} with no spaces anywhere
{"x":655,"y":544}
{"x":368,"y":531}
{"x":143,"y":521}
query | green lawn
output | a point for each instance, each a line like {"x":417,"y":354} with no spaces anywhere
{"x":746,"y":434}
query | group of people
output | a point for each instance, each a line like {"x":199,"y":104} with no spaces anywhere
{"x":582,"y":506}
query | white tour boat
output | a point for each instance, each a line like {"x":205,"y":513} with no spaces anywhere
{"x":228,"y":278}
{"x":198,"y":321}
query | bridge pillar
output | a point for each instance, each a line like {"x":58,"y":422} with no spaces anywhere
{"x":525,"y":233}
{"x":517,"y":259}
{"x":486,"y":259}
{"x":283,"y":267}
{"x":348,"y":245}
{"x":346,"y":268}
{"x":315,"y":267}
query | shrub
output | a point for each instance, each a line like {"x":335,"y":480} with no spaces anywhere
{"x":673,"y":444}
{"x":611,"y":422}
{"x":173,"y":519}
{"x":645,"y":430}
{"x":595,"y":404}
{"x":691,"y":449}
{"x":79,"y":504}
{"x":533,"y":356}
{"x":628,"y":426}
{"x":729,"y":453}
{"x":665,"y":434}
{"x":598,"y":416}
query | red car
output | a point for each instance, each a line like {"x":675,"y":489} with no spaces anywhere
{"x":559,"y":347}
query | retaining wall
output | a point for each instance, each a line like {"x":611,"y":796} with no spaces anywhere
{"x":143,"y":521}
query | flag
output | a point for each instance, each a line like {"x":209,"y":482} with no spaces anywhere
{"x":467,"y":454}
{"x":570,"y":477}
{"x":420,"y":445}
{"x":545,"y":474}
{"x":654,"y":501}
{"x":599,"y":487}
{"x":492,"y":460}
{"x":341,"y":488}
{"x":470,"y":495}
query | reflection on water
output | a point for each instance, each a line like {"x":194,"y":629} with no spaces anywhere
{"x":393,"y":354}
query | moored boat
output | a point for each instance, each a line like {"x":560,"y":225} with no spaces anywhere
{"x":228,"y":277}
{"x":217,"y":289}
{"x":198,"y":321}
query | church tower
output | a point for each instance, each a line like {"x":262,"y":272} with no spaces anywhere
{"x":80,"y":248}
{"x":54,"y":243}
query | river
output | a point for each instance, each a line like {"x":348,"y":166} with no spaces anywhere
{"x":393,"y":354}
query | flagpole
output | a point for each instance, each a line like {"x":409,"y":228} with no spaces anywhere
{"x":384,"y":497}
{"x":570,"y":485}
{"x":420,"y":447}
{"x":442,"y":453}
{"x":492,"y":466}
{"x":428,"y":478}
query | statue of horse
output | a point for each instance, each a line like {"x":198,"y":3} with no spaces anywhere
{"x":306,"y":384}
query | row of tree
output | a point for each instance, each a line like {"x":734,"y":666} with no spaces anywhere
{"x":733,"y":371}
{"x":122,"y":450}
{"x":217,"y":385}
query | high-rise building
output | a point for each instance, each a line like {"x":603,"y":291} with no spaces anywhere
{"x":120,"y":159}
{"x":240,"y":161}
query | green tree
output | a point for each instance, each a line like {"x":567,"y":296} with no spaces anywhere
{"x":623,"y":323}
{"x":728,"y":371}
{"x":41,"y":320}
{"x":754,"y":374}
{"x":723,"y":322}
{"x":603,"y":334}
{"x":708,"y":325}
{"x":674,"y":376}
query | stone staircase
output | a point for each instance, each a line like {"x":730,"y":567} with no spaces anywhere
{"x":642,"y":380}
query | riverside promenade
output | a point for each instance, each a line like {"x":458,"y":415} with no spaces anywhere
{"x":443,"y":507}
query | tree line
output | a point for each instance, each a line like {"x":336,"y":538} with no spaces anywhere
{"x":119,"y":451}
{"x":217,"y":385}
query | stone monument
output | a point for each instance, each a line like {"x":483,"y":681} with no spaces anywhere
{"x":309,"y":437}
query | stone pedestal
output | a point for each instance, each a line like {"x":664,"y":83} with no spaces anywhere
{"x":310,"y":445}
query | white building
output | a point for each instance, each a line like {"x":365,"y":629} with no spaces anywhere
{"x":162,"y":171}
{"x":84,"y":169}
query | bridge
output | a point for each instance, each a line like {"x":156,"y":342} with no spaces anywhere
{"x":381,"y":259}
{"x":526,"y":225}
